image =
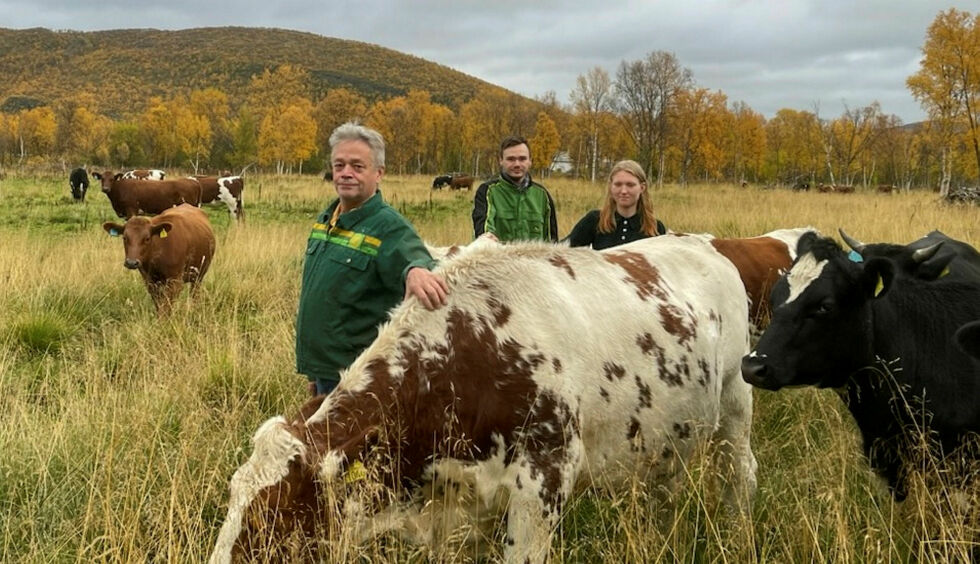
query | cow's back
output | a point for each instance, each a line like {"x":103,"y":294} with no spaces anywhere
{"x":188,"y":248}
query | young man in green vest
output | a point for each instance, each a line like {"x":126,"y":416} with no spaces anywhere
{"x":362,"y":259}
{"x":512,"y":207}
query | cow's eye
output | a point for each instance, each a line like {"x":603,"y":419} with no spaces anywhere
{"x":823,"y":309}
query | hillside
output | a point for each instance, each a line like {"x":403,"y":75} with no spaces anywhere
{"x":124,"y":68}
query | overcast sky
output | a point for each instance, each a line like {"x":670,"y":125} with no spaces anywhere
{"x":770,"y":54}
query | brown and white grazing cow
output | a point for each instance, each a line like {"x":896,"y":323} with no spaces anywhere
{"x":761,"y":261}
{"x":226,"y":189}
{"x":131,"y":197}
{"x":168,"y":250}
{"x":144,"y":174}
{"x":550,"y":369}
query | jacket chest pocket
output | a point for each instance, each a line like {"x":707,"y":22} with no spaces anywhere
{"x":355,"y":260}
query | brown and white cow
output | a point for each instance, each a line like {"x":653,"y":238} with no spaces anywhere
{"x":761,"y":261}
{"x":145,"y":174}
{"x":131,"y":197}
{"x":168,"y":250}
{"x":550,"y":369}
{"x":226,"y":189}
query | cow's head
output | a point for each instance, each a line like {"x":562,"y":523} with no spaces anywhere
{"x":294,"y":490}
{"x":137,"y":234}
{"x":106,"y":179}
{"x":821,"y":330}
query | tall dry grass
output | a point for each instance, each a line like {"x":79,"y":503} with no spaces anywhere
{"x":119,"y":431}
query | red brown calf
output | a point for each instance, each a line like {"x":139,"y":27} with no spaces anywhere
{"x":168,"y":250}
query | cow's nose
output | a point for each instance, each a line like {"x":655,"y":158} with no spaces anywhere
{"x":132,"y":264}
{"x":754,"y":371}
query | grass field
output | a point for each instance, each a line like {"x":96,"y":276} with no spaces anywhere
{"x":119,"y":431}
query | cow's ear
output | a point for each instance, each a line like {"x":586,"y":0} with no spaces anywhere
{"x":161,"y":229}
{"x":113,"y":229}
{"x":879,"y":273}
{"x":117,"y":176}
{"x":806,"y":241}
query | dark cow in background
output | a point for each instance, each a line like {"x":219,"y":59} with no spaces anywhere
{"x":171,"y":249}
{"x":328,"y":176}
{"x":78,"y":181}
{"x":884,"y":340}
{"x":885,"y":188}
{"x":130,"y":196}
{"x":462,"y":181}
{"x":145,"y":174}
{"x":441,"y":181}
{"x":497,"y":408}
{"x":225,"y":189}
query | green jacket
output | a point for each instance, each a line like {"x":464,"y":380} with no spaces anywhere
{"x":352,"y":276}
{"x":514,"y":214}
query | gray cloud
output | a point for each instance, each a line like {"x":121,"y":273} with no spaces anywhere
{"x":770,"y":54}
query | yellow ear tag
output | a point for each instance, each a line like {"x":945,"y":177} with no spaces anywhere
{"x":355,"y":473}
{"x":944,"y":272}
{"x":163,"y":233}
{"x":879,"y":286}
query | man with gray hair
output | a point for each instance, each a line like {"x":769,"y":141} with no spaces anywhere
{"x":362,"y":259}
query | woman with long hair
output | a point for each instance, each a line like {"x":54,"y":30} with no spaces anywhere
{"x":626,"y":214}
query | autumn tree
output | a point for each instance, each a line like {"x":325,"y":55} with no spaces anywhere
{"x":212,"y":110}
{"x":544,"y":143}
{"x":124,"y":146}
{"x":339,"y":106}
{"x":288,"y":136}
{"x":948,"y":84}
{"x":793,"y":139}
{"x":36,"y":131}
{"x":699,"y":123}
{"x":645,"y":91}
{"x":745,"y":143}
{"x":244,"y":131}
{"x":591,"y":97}
{"x":846,"y":138}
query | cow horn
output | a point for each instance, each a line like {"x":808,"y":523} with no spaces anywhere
{"x":925,"y":254}
{"x":858,"y":246}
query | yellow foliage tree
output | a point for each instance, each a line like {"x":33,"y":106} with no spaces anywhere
{"x":339,"y":106}
{"x":948,"y":84}
{"x":287,"y":135}
{"x":36,"y":130}
{"x":544,"y":143}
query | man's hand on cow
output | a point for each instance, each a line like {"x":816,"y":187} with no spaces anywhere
{"x":431,"y":289}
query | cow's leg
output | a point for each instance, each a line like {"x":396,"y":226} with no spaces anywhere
{"x":544,"y":482}
{"x":530,"y":523}
{"x":736,"y":461}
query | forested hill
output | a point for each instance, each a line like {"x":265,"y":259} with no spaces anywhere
{"x":122,"y":69}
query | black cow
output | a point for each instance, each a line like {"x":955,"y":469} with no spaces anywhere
{"x":328,"y":175}
{"x":933,"y":256}
{"x":441,"y":181}
{"x":884,"y":341}
{"x":78,"y":180}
